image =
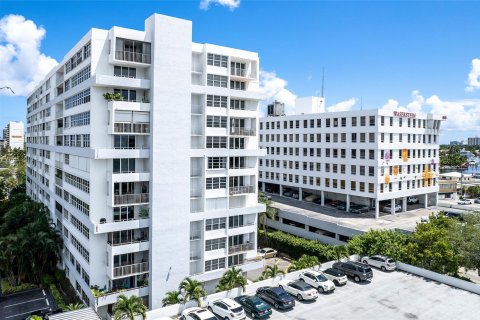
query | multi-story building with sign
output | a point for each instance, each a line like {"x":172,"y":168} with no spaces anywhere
{"x":14,"y":135}
{"x":368,"y":159}
{"x":144,"y":146}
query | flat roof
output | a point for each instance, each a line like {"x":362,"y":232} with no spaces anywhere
{"x":82,"y":314}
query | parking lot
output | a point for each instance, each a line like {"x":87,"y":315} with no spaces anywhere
{"x":390,"y":295}
{"x":20,"y":306}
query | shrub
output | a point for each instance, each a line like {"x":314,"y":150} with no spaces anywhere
{"x":296,"y":247}
{"x":8,"y":289}
{"x":57,"y":297}
{"x":46,"y":280}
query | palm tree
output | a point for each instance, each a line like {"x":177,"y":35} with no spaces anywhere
{"x":74,"y":306}
{"x":339,"y":251}
{"x":172,"y":297}
{"x":128,"y":308}
{"x":272,"y":271}
{"x":193,"y":290}
{"x":304,"y":262}
{"x":269,"y":213}
{"x":231,"y":279}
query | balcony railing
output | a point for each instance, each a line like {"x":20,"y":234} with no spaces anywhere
{"x":241,"y":189}
{"x":59,"y":131}
{"x":240,"y":248}
{"x":242,"y":132}
{"x":131,"y":241}
{"x":131,"y":127}
{"x":133,"y":147}
{"x":130,"y":198}
{"x":133,"y":56}
{"x":245,"y":224}
{"x":130,"y":269}
{"x":238,"y":72}
{"x":59,"y":181}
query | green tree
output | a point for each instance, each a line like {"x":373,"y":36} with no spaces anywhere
{"x":385,"y":242}
{"x":172,"y":297}
{"x":304,"y":262}
{"x":338,"y":252}
{"x":272,"y":271}
{"x":129,"y":308}
{"x":465,"y":238}
{"x":193,"y":290}
{"x":74,"y":306}
{"x":232,"y":278}
{"x":269,"y":213}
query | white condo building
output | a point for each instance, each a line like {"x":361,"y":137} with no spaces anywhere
{"x":14,"y":135}
{"x":158,"y":180}
{"x":367,"y":157}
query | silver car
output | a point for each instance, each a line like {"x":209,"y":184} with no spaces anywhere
{"x":381,"y":262}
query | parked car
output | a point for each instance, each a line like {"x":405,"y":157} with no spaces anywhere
{"x":388,"y":208}
{"x":477,"y":200}
{"x":266,"y":253}
{"x":381,"y":262}
{"x":358,"y":208}
{"x":358,"y":271}
{"x":342,"y":206}
{"x":197,"y":314}
{"x":452,"y":214}
{"x":277,"y":297}
{"x":318,"y":200}
{"x":465,"y":201}
{"x":311,"y":198}
{"x":288,"y":193}
{"x":332,"y":203}
{"x":338,"y":277}
{"x":412,"y":200}
{"x":317,"y":280}
{"x":227,"y":309}
{"x":254,"y":306}
{"x":299,"y":289}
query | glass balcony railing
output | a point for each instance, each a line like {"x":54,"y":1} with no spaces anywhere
{"x":133,"y":56}
{"x":241,"y":189}
{"x":242,"y":132}
{"x":120,"y":127}
{"x":240,"y":248}
{"x":127,"y":270}
{"x":131,"y":198}
{"x":239,"y":72}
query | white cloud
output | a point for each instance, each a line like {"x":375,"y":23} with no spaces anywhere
{"x":275,"y":88}
{"x":22,"y":64}
{"x":230,"y":4}
{"x":343,"y":105}
{"x":474,"y":76}
{"x":416,"y":105}
{"x":462,"y":115}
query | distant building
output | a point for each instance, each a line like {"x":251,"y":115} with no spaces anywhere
{"x":456,"y":143}
{"x":13,"y":135}
{"x":474,"y":141}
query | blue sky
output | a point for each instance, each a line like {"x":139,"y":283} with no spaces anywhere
{"x":380,"y":52}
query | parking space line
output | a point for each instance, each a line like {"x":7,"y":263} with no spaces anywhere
{"x":43,"y":292}
{"x":16,"y":304}
{"x":28,"y":312}
{"x":48,"y":303}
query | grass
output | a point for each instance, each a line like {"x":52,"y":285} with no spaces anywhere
{"x":8,"y":289}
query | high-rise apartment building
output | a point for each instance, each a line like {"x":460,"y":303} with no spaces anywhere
{"x":144,"y":146}
{"x":365,"y":157}
{"x":13,"y":135}
{"x":473,"y":141}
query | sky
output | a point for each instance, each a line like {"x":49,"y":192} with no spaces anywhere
{"x":414,"y":56}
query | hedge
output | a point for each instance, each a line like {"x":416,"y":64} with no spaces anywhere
{"x":295,"y":246}
{"x":8,"y":289}
{"x":57,"y":297}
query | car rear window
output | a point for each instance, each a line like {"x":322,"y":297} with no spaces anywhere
{"x":239,"y":309}
{"x":390,"y":261}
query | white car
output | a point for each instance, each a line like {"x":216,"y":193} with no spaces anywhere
{"x":338,"y":277}
{"x":381,"y":262}
{"x":465,"y":201}
{"x":197,"y":314}
{"x":388,"y":208}
{"x":227,"y":309}
{"x":311,"y":198}
{"x":266,"y":253}
{"x":299,"y":289}
{"x":317,"y":280}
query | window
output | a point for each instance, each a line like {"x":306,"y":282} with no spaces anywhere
{"x":214,"y":264}
{"x":214,"y":80}
{"x":215,"y":224}
{"x":353,"y":169}
{"x":80,"y":226}
{"x":127,"y":95}
{"x":216,"y":142}
{"x":237,"y":85}
{"x":237,"y":104}
{"x":216,"y":122}
{"x":217,"y":162}
{"x":354,"y":121}
{"x":76,"y":120}
{"x":217,"y":60}
{"x":215,"y":244}
{"x":235,"y":221}
{"x":126,"y":72}
{"x":216,"y":183}
{"x":77,"y":99}
{"x":84,"y":252}
{"x":77,"y":78}
{"x":216,"y":101}
{"x":77,"y":182}
{"x":124,"y":165}
{"x":372,"y":121}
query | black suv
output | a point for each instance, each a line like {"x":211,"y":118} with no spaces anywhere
{"x":358,"y":271}
{"x":276,"y":296}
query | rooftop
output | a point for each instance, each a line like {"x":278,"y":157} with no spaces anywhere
{"x":82,"y":314}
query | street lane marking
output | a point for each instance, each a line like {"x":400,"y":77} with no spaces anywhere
{"x":16,"y":304}
{"x":43,"y":292}
{"x":16,"y":315}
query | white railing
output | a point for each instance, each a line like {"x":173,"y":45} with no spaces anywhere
{"x":241,"y":248}
{"x":130,"y":198}
{"x":131,"y":127}
{"x":241,"y":189}
{"x":59,"y":181}
{"x":133,"y":56}
{"x":130,"y":269}
{"x":242,"y":131}
{"x":238,"y":72}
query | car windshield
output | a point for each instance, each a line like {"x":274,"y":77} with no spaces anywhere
{"x":235,"y":310}
{"x":284,"y":296}
{"x":321,"y":278}
{"x":390,"y":261}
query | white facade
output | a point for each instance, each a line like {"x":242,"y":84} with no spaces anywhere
{"x":363,"y":157}
{"x":160,"y":184}
{"x":13,"y":135}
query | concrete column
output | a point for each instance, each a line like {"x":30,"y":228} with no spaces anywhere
{"x":347,"y":207}
{"x":436,"y":199}
{"x":404,"y":204}
{"x":425,"y":205}
{"x":323,"y":198}
{"x":300,"y":194}
{"x":377,"y":209}
{"x":392,"y":206}
{"x":280,"y":189}
{"x":263,"y":187}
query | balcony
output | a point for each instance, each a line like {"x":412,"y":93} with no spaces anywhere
{"x":131,"y":269}
{"x":242,"y":132}
{"x":133,"y":56}
{"x":241,"y":189}
{"x":131,"y":198}
{"x":241,"y":248}
{"x":109,"y":153}
{"x":112,"y":296}
{"x":121,"y":127}
{"x":239,"y":72}
{"x":59,"y":181}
